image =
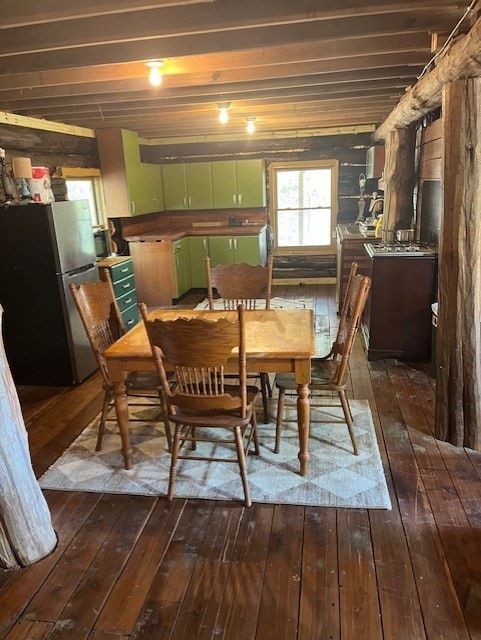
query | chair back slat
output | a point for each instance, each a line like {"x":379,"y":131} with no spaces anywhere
{"x":240,"y":283}
{"x":349,"y":325}
{"x":100,"y":316}
{"x":197,"y":349}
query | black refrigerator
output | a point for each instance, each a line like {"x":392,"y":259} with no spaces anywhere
{"x":44,"y":248}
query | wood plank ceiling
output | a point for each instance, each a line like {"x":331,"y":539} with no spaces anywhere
{"x":297,"y":66}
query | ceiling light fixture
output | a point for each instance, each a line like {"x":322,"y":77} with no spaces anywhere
{"x":224,"y":112}
{"x":251,"y":127}
{"x":155,"y":77}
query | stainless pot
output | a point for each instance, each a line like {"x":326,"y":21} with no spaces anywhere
{"x":405,"y":235}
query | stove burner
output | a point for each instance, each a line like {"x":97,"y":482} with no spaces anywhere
{"x":399,"y":249}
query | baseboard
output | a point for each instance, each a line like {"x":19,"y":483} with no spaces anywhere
{"x":295,"y":281}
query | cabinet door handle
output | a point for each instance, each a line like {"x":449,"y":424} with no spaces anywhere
{"x":235,"y":244}
{"x":239,"y":199}
{"x":185,"y":202}
{"x":204,"y":245}
{"x":234,"y":199}
{"x":132,"y":205}
{"x":230,"y":244}
{"x":190,"y":202}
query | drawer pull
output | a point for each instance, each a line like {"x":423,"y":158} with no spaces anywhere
{"x":131,"y":321}
{"x":128,"y":301}
{"x":124,"y":270}
{"x":127,"y":286}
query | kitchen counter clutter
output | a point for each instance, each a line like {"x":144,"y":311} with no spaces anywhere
{"x":168,"y":262}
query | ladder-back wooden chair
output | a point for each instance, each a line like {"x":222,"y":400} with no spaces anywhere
{"x":103,"y":324}
{"x":249,"y":285}
{"x":200,"y":403}
{"x":331,"y":372}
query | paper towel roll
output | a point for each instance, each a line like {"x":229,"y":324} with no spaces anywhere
{"x":22,"y":167}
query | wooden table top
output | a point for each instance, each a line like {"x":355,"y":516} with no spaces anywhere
{"x":273,"y":333}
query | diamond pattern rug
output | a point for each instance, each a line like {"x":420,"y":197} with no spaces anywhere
{"x":336,"y":478}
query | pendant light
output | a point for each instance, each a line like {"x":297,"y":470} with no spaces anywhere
{"x":155,"y":77}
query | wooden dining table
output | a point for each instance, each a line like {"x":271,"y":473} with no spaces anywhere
{"x":277,"y":340}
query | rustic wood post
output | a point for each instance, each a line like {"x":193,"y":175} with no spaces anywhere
{"x":399,"y":178}
{"x":26,"y":533}
{"x":458,"y":349}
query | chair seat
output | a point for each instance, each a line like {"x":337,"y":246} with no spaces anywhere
{"x":322,"y":373}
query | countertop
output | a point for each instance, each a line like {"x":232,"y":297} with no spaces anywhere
{"x":172,"y":234}
{"x":352,"y":232}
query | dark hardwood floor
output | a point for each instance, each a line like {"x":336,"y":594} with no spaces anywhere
{"x":137,"y":567}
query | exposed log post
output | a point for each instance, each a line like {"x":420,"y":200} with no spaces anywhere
{"x":462,"y":58}
{"x":458,"y":350}
{"x":399,"y":178}
{"x":26,"y":533}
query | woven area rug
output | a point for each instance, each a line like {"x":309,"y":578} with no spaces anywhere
{"x":276,"y":303}
{"x":337,"y":478}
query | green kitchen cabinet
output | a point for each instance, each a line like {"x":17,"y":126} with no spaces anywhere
{"x":181,"y":257}
{"x":239,"y":183}
{"x":227,"y":249}
{"x":121,"y":171}
{"x":153,"y":187}
{"x":188,"y":186}
{"x":199,"y":250}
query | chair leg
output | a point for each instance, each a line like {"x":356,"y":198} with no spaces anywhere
{"x":242,"y":464}
{"x":348,"y":416}
{"x":269,"y":386}
{"x":280,"y":413}
{"x":173,"y":461}
{"x":265,"y":395}
{"x":103,"y":417}
{"x":165,"y":419}
{"x":253,"y":435}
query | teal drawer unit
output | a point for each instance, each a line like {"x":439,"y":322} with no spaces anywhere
{"x":121,"y":272}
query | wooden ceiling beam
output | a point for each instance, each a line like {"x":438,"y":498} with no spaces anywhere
{"x":29,"y":12}
{"x":184,"y":67}
{"x":461,"y":59}
{"x":88,"y":52}
{"x":398,"y":76}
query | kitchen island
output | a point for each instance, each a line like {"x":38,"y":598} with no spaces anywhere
{"x":170,"y":261}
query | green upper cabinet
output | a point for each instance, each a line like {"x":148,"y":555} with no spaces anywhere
{"x":188,"y":186}
{"x":239,"y":183}
{"x":121,"y":171}
{"x":153,"y":187}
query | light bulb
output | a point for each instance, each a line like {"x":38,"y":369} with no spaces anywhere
{"x":251,"y":127}
{"x":224,"y":112}
{"x":223,"y":115}
{"x":155,"y":77}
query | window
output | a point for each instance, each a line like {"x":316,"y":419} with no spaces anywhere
{"x":304,"y":206}
{"x":84,"y":184}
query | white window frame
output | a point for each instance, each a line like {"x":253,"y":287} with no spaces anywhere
{"x":92,"y":175}
{"x":274,"y":167}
